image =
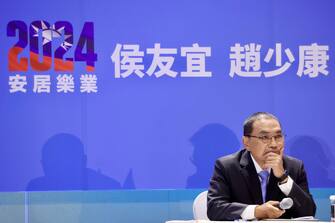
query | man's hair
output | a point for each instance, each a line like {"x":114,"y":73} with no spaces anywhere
{"x":249,"y":122}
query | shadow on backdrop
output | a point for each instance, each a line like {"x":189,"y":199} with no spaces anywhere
{"x":129,"y":181}
{"x":313,"y":152}
{"x":64,"y":167}
{"x":210,"y":142}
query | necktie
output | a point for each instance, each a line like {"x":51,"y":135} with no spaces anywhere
{"x":264,"y":176}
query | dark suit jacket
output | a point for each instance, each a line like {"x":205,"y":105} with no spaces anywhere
{"x":235,"y":184}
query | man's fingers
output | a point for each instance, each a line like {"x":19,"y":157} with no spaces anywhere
{"x":273,"y":203}
{"x":272,"y":161}
{"x":270,"y":164}
{"x":275,"y":211}
{"x":272,"y":157}
{"x":268,"y":210}
{"x":276,"y":214}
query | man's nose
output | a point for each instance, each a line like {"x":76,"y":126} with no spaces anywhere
{"x":273,"y":142}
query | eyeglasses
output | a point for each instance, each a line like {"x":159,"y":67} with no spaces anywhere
{"x":268,"y":139}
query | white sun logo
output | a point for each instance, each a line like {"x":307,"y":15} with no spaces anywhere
{"x":50,"y":32}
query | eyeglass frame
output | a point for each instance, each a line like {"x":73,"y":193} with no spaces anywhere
{"x":268,"y":139}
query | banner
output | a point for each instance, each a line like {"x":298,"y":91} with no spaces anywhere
{"x":147,"y":94}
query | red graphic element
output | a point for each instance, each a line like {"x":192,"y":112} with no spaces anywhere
{"x":40,"y":66}
{"x":14,"y":63}
{"x":63,"y":65}
{"x":90,"y":68}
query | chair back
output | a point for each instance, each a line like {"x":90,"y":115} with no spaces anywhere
{"x":200,"y":207}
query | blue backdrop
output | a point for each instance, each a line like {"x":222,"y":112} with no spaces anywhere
{"x":147,"y":94}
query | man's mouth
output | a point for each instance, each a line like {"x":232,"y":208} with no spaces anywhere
{"x":272,"y":151}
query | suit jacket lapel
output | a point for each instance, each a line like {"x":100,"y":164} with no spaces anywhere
{"x":272,"y":190}
{"x":251,"y":178}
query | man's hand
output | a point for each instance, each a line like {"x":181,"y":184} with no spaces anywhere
{"x":274,"y":161}
{"x":268,"y":210}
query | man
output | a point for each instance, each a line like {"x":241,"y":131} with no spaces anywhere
{"x":250,"y":183}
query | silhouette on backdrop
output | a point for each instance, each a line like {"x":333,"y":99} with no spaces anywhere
{"x":210,"y":142}
{"x":64,"y":167}
{"x":317,"y":162}
{"x":129,"y":181}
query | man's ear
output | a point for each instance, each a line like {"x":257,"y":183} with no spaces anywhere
{"x":245,"y":141}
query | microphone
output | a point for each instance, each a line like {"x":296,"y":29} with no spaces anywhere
{"x":286,"y":203}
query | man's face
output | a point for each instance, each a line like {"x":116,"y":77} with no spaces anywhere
{"x":258,"y":147}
